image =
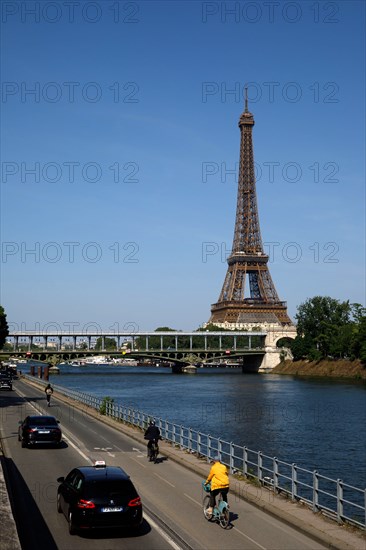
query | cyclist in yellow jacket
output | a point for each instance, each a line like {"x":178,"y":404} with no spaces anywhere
{"x":219,"y":482}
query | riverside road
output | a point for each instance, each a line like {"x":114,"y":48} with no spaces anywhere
{"x":171,"y":493}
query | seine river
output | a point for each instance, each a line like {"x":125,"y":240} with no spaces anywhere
{"x":319,"y":424}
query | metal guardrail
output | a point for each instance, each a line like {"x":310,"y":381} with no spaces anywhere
{"x":335,"y":498}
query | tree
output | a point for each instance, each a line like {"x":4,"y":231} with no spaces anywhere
{"x":109,"y":344}
{"x":155,"y":342}
{"x":328,"y":328}
{"x":358,"y":339}
{"x":4,"y":328}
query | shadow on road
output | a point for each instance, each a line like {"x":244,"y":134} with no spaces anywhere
{"x":32,"y":529}
{"x":99,"y":534}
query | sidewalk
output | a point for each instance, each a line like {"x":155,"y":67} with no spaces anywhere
{"x":317,"y":526}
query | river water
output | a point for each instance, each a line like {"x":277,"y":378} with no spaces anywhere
{"x":320,"y":424}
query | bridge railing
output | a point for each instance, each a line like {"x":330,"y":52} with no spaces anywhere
{"x":333,"y":497}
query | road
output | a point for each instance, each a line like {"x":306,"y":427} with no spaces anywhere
{"x":171,"y":494}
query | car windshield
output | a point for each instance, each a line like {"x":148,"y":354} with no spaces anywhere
{"x":111,"y":489}
{"x":42,"y":421}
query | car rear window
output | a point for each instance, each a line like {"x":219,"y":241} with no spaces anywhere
{"x":43,"y":421}
{"x":110,"y":489}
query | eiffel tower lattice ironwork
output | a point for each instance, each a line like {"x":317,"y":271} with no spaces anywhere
{"x":248,"y":295}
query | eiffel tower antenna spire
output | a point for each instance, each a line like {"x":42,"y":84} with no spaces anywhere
{"x":248,"y":295}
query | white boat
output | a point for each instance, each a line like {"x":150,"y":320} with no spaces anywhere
{"x":190,"y":369}
{"x":54,"y":370}
{"x":99,"y":360}
{"x":81,"y":363}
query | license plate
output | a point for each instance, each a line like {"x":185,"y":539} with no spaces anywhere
{"x":114,"y":509}
{"x":43,"y":431}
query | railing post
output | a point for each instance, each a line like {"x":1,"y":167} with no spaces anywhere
{"x":190,"y":446}
{"x":208,"y":448}
{"x":339,"y":500}
{"x":260,"y":466}
{"x":294,"y":481}
{"x":199,"y":446}
{"x":231,"y":457}
{"x":181,"y":437}
{"x":245,"y":461}
{"x":173,"y":435}
{"x":275,"y":473}
{"x":315,"y":491}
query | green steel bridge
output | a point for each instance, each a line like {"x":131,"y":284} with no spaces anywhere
{"x":179,"y":349}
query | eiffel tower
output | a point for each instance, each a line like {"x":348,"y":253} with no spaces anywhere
{"x":248,"y":297}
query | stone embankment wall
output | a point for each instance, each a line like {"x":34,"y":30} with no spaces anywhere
{"x":327,"y":369}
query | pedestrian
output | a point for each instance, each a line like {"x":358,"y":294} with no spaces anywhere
{"x":219,"y":479}
{"x":49,"y":391}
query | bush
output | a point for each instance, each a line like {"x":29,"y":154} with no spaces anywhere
{"x":103,"y":406}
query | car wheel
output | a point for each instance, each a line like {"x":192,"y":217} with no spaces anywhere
{"x":59,"y":509}
{"x":72,"y":527}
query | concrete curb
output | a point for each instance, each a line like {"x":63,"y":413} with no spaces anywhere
{"x":297,"y":515}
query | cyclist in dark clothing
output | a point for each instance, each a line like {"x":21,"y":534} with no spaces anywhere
{"x":49,"y":391}
{"x":152,"y":434}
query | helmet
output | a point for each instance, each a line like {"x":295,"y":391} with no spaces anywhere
{"x":152,"y":423}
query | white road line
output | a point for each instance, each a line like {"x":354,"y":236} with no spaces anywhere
{"x":78,"y":450}
{"x":162,"y":479}
{"x":162,"y":533}
{"x":193,"y":500}
{"x":251,"y":540}
{"x":138,"y":462}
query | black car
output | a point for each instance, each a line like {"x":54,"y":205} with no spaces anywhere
{"x":6,"y":382}
{"x":39,"y":429}
{"x":98,"y":496}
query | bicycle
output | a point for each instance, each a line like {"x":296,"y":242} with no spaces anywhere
{"x":153,"y":451}
{"x":220,"y":512}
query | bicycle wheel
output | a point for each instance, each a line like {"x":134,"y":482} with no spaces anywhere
{"x":154,"y":454}
{"x":224,"y":517}
{"x":206,"y":504}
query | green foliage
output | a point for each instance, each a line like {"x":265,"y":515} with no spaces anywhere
{"x":329,"y":328}
{"x":4,"y":328}
{"x":110,"y":344}
{"x":103,"y":406}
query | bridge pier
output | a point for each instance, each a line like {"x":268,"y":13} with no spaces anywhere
{"x":252,"y":363}
{"x":177,"y":368}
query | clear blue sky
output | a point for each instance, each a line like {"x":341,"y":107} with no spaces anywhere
{"x":119,"y":138}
